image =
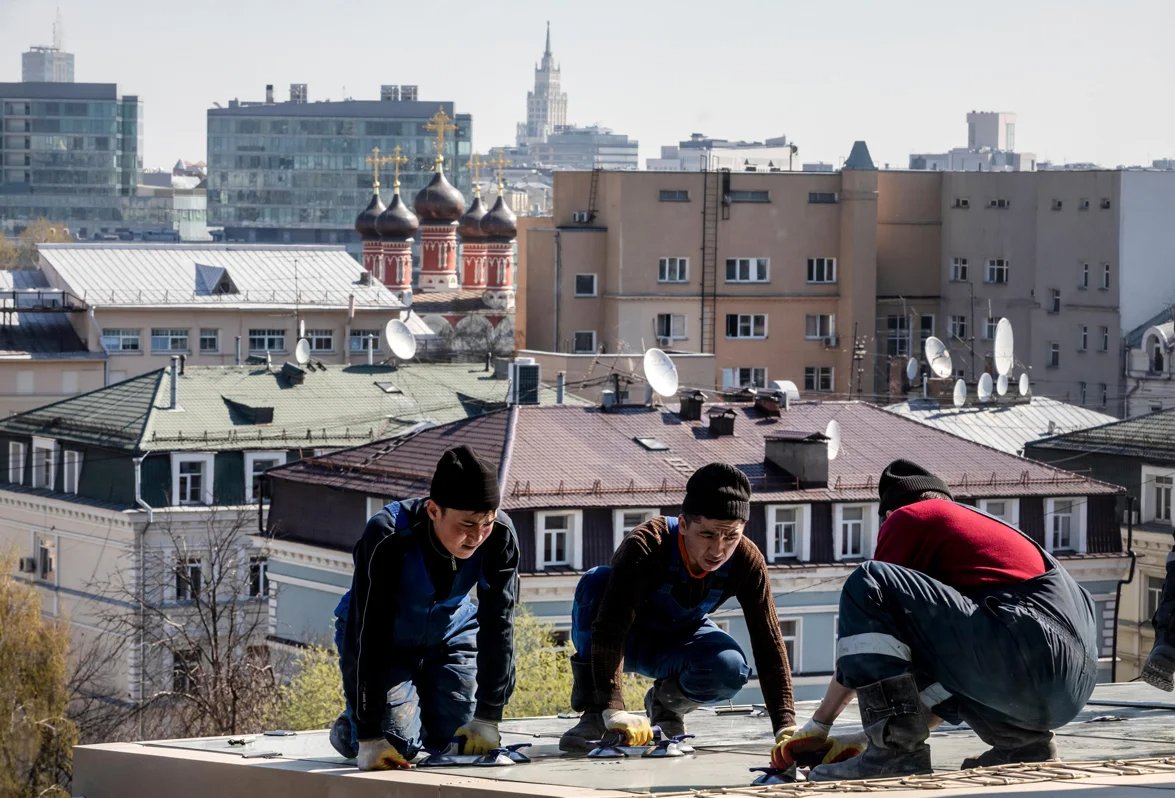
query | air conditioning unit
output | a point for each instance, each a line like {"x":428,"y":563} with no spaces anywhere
{"x":28,"y":565}
{"x":524,"y":382}
{"x":664,"y":340}
{"x":581,"y":217}
{"x":832,"y":341}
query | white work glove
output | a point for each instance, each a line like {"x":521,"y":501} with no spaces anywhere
{"x":379,"y":754}
{"x":792,"y":743}
{"x":633,"y":727}
{"x":481,"y":737}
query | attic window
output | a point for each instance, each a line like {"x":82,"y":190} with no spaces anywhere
{"x":653,"y":444}
{"x":214,"y":280}
{"x":388,"y":387}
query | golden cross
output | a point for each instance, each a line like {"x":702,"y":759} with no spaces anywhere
{"x":397,"y":160}
{"x":501,"y":163}
{"x":441,"y":124}
{"x":475,"y":164}
{"x":375,"y":162}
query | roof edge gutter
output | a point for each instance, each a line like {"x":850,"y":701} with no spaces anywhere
{"x":139,"y":502}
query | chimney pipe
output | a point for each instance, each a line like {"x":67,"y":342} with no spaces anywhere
{"x":238,"y":350}
{"x":269,"y":94}
{"x":371,"y":350}
{"x":560,"y":386}
{"x":183,"y":363}
{"x":175,"y":376}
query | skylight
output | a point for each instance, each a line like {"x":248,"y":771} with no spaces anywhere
{"x":653,"y":444}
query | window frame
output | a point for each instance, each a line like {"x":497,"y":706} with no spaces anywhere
{"x":670,"y":318}
{"x":959,"y":271}
{"x":1082,"y":337}
{"x":797,"y":641}
{"x":204,"y":336}
{"x":957,"y":327}
{"x":673,"y":195}
{"x":271,"y":335}
{"x":679,"y":263}
{"x":251,"y":460}
{"x":362,"y":341}
{"x":71,"y":470}
{"x":208,"y":475}
{"x":869,"y":528}
{"x":574,"y":539}
{"x":737,"y":384}
{"x":1152,"y":595}
{"x":1105,"y":342}
{"x":1076,"y":524}
{"x":817,"y":374}
{"x":1105,"y":284}
{"x":751,"y":317}
{"x":1054,"y":355}
{"x":188,"y":587}
{"x":575,"y":348}
{"x":124,"y":335}
{"x":17,"y":462}
{"x":753,"y":264}
{"x":1012,"y":504}
{"x":48,"y":477}
{"x":803,"y":536}
{"x":822,"y":266}
{"x":619,"y":530}
{"x":1148,"y":475}
{"x":595,"y":285}
{"x":258,"y":576}
{"x":825,"y":324}
{"x":997,"y":271}
{"x":174,"y":336}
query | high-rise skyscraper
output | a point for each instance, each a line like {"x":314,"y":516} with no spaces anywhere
{"x":48,"y":64}
{"x":546,"y":106}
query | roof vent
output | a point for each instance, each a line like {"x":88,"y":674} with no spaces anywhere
{"x":248,"y":414}
{"x":722,"y":421}
{"x":364,"y":277}
{"x":770,"y":404}
{"x":691,"y":406}
{"x":293,"y":373}
{"x":214,"y":281}
{"x":803,"y":455}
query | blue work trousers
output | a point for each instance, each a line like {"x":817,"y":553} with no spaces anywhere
{"x":707,"y":663}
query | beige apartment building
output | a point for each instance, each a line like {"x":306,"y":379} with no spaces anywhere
{"x":777,"y":274}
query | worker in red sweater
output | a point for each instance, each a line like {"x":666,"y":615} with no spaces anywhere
{"x":958,"y":616}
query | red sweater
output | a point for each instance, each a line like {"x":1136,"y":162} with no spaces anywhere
{"x":956,"y":545}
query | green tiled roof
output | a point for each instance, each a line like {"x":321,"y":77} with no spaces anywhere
{"x":112,"y":417}
{"x":1148,"y":436}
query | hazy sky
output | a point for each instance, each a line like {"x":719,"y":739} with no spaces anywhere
{"x":1089,"y":81}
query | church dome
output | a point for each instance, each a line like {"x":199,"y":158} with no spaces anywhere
{"x":439,"y":202}
{"x":469,"y":226}
{"x":500,"y":222}
{"x":365,"y":221}
{"x":398,"y":222}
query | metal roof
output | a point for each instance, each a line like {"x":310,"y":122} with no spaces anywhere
{"x":1004,"y":426}
{"x":1151,"y":436}
{"x":137,"y":274}
{"x":35,"y":335}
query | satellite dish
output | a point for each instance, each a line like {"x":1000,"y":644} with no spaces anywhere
{"x":1024,"y":384}
{"x":400,"y":339}
{"x":1001,"y":384}
{"x":912,"y":369}
{"x":660,"y":372}
{"x":302,"y":352}
{"x":960,"y":397}
{"x":937,"y":356}
{"x":1003,"y":346}
{"x":832,"y":432}
{"x":984,"y":388}
{"x":787,"y":388}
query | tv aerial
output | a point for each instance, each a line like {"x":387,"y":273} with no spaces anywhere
{"x":1004,"y":346}
{"x":1001,"y":384}
{"x":912,"y":369}
{"x":1024,"y":384}
{"x":960,"y":394}
{"x":660,"y":372}
{"x":400,"y":340}
{"x":832,"y":432}
{"x":984,"y":388}
{"x":936,"y":354}
{"x":302,"y":352}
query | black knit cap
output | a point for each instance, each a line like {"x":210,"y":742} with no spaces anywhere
{"x":902,"y":481}
{"x":464,"y":481}
{"x":719,"y":491}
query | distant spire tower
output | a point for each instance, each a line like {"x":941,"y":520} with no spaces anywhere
{"x":546,"y":106}
{"x":59,"y":30}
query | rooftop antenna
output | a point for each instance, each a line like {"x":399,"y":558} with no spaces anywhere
{"x":400,"y":340}
{"x":960,"y":395}
{"x":832,"y":432}
{"x":58,"y":31}
{"x":936,"y":354}
{"x":1024,"y":384}
{"x":912,"y":369}
{"x":660,"y":372}
{"x":985,"y":387}
{"x":1004,"y":347}
{"x":1001,"y":384}
{"x":302,"y":352}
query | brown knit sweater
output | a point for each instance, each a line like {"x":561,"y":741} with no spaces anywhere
{"x":637,"y":567}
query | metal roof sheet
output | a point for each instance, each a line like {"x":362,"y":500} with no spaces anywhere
{"x":1149,"y":436}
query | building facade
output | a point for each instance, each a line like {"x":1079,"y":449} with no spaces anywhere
{"x":546,"y":105}
{"x":701,"y":153}
{"x":46,"y":65}
{"x":991,"y":147}
{"x":1150,"y":374}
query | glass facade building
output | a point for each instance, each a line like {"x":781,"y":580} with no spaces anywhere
{"x":297,"y":172}
{"x":69,"y":152}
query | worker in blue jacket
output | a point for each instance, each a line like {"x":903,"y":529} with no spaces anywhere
{"x":423,"y":662}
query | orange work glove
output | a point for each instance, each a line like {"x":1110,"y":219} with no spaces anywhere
{"x":845,"y":746}
{"x":806,"y":745}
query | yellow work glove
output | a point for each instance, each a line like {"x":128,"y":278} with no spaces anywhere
{"x":481,"y":737}
{"x":379,"y":754}
{"x":634,"y":728}
{"x":805,"y":745}
{"x":845,"y":746}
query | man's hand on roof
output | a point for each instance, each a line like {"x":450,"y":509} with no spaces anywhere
{"x":806,"y":745}
{"x":634,"y":728}
{"x":379,"y":754}
{"x":480,"y":736}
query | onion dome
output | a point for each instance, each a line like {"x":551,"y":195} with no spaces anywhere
{"x":500,"y":223}
{"x":469,"y":225}
{"x":439,"y":202}
{"x":365,"y":221}
{"x":398,"y":222}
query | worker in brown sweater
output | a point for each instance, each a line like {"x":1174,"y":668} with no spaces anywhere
{"x":648,"y":613}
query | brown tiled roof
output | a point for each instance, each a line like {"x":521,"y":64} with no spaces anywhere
{"x":561,"y":456}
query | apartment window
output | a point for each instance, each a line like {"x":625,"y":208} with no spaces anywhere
{"x":557,"y":539}
{"x":752,"y":376}
{"x":958,"y":270}
{"x":746,"y":325}
{"x":169,"y":340}
{"x":673,"y":195}
{"x":997,"y":271}
{"x":267,"y":340}
{"x":818,"y":378}
{"x":1054,"y":355}
{"x":1084,"y":276}
{"x":897,"y":339}
{"x":1061,"y":525}
{"x":1082,"y":338}
{"x":789,"y":629}
{"x":1054,"y":300}
{"x":1105,"y":203}
{"x":961,"y":203}
{"x":185,"y":667}
{"x":44,"y":463}
{"x":926,"y":327}
{"x":851,"y":533}
{"x":821,"y":197}
{"x":628,"y":519}
{"x":670,"y":325}
{"x":1083,"y":204}
{"x":746,"y":270}
{"x":818,"y":325}
{"x":673,"y":270}
{"x":1081,"y":392}
{"x":191,"y":477}
{"x":1154,"y":596}
{"x":363,"y":340}
{"x":1161,"y":493}
{"x":47,"y":560}
{"x":999,"y":202}
{"x":321,"y":340}
{"x":16,"y":455}
{"x":1057,"y":205}
{"x":787,"y":532}
{"x":123,"y":340}
{"x":989,"y":328}
{"x":957,"y":327}
{"x":750,"y":196}
{"x":583,"y":342}
{"x":189,"y":578}
{"x":1105,"y":276}
{"x":71,"y":470}
{"x":822,"y":270}
{"x":1007,"y":510}
{"x":585,"y":285}
{"x":256,"y":464}
{"x":1105,"y":339}
{"x":209,"y":340}
{"x":258,"y":576}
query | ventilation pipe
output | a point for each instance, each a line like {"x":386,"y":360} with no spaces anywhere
{"x":175,"y":379}
{"x":560,"y":386}
{"x":238,"y":350}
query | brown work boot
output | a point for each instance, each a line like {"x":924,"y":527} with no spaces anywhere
{"x":585,"y":735}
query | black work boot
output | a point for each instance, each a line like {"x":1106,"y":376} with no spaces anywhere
{"x":667,"y":706}
{"x":581,"y":683}
{"x":896,"y":724}
{"x":1042,"y":750}
{"x":585,"y":735}
{"x":342,"y":738}
{"x":1160,"y":663}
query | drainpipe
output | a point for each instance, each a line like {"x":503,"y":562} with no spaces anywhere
{"x":238,"y":350}
{"x":142,"y":598}
{"x":139,"y":490}
{"x":558,"y":270}
{"x":1118,"y":592}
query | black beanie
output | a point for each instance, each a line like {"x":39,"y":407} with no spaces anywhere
{"x":902,"y":481}
{"x":719,"y":491}
{"x":464,"y":481}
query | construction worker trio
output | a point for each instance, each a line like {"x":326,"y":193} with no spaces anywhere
{"x":958,"y":616}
